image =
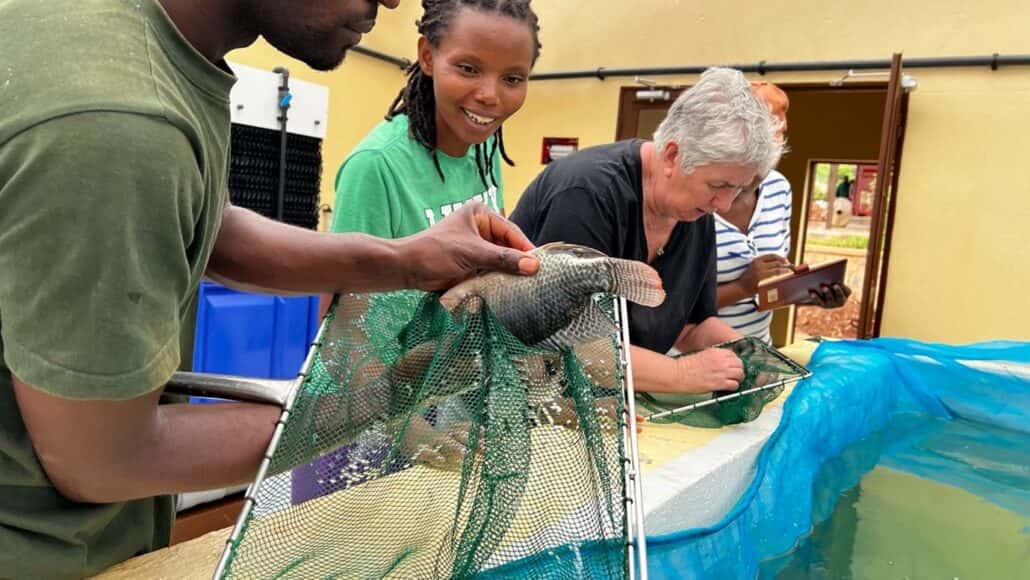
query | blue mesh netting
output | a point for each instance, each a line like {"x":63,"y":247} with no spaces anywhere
{"x":858,"y":389}
{"x":882,"y":390}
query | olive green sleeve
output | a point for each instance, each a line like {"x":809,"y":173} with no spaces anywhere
{"x":96,"y":232}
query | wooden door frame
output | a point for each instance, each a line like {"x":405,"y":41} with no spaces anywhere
{"x":630,"y":107}
{"x":892,"y":135}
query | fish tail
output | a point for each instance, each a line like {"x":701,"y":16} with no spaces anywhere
{"x":637,"y":282}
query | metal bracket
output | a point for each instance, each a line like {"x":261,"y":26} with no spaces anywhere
{"x":908,"y":82}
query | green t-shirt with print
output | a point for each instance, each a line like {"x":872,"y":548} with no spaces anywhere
{"x":113,"y":172}
{"x":389,"y":187}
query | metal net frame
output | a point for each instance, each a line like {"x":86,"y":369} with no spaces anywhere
{"x":439,"y":446}
{"x":767,"y":372}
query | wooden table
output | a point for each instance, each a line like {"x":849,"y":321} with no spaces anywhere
{"x":196,"y":558}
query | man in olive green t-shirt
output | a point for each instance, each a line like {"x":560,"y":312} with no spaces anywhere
{"x":113,"y":171}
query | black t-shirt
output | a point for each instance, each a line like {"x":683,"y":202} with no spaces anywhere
{"x":595,"y":198}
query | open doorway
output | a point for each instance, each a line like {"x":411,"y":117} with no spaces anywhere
{"x":840,"y":198}
{"x":834,"y":131}
{"x":829,"y":127}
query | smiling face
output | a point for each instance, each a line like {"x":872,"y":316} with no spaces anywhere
{"x":316,"y":32}
{"x":479,"y":70}
{"x":706,"y":189}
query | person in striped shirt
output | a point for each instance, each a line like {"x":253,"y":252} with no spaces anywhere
{"x":753,"y":240}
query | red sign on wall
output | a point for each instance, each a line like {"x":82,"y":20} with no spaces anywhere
{"x":863,"y":190}
{"x":555,"y":148}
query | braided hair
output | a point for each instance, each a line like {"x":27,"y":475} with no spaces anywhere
{"x":416,"y":99}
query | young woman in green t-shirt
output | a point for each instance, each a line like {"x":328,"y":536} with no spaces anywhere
{"x":438,"y":148}
{"x":441,"y":142}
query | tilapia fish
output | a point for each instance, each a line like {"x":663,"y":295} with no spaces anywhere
{"x":555,"y":308}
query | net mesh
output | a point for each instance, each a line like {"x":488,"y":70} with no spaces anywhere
{"x":766,"y":372}
{"x":442,"y":447}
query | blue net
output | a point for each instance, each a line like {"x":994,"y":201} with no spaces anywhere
{"x":859,"y":390}
{"x":906,"y":401}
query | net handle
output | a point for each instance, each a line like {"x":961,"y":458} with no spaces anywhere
{"x":249,"y":499}
{"x":244,"y":389}
{"x":636,"y":547}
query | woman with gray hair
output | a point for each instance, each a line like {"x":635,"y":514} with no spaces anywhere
{"x":653,"y":201}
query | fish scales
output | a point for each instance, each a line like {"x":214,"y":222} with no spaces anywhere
{"x":555,"y":308}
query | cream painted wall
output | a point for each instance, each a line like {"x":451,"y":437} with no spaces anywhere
{"x":963,"y":204}
{"x":961,"y":263}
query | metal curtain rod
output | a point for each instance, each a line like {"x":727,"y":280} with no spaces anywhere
{"x":994,"y":61}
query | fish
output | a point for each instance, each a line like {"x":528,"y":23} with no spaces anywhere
{"x":555,"y":309}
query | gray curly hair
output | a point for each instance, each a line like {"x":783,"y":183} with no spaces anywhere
{"x":719,"y":120}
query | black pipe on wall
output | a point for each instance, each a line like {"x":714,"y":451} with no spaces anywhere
{"x":401,"y":63}
{"x":993,"y":61}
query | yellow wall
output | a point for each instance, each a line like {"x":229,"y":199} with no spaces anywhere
{"x":963,"y":202}
{"x":962,"y":263}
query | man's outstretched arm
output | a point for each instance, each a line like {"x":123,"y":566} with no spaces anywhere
{"x":254,"y":252}
{"x":112,"y":451}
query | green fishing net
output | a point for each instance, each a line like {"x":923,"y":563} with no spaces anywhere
{"x":766,"y":373}
{"x":436,"y":445}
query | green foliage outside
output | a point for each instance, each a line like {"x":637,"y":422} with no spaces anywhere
{"x":852,"y":242}
{"x":822,"y":176}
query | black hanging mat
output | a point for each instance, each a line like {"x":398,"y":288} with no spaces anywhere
{"x":254,"y":174}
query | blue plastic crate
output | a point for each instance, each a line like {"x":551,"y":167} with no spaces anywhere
{"x":206,"y":400}
{"x":252,"y":335}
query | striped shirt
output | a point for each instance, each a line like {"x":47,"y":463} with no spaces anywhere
{"x":768,"y":233}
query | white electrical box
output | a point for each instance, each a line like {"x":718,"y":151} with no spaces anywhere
{"x":255,"y":102}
